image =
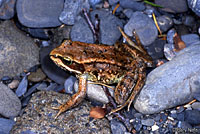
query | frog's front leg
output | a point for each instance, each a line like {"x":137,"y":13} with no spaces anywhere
{"x":76,"y":98}
{"x":126,"y":85}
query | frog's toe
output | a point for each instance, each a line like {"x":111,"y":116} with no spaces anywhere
{"x":61,"y":109}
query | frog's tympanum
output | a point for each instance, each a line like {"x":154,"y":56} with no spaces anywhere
{"x":122,"y":64}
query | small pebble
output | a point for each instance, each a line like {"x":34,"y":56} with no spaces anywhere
{"x":138,"y":115}
{"x":69,"y":84}
{"x":170,"y":35}
{"x":72,"y":9}
{"x":22,"y":88}
{"x":190,"y":39}
{"x":173,"y":111}
{"x":189,"y":20}
{"x":6,"y":79}
{"x":164,"y":22}
{"x":147,"y":122}
{"x":13,"y":84}
{"x":170,"y":118}
{"x":117,"y":127}
{"x":37,"y":76}
{"x":154,"y":127}
{"x":137,"y":126}
{"x":128,"y":12}
{"x":196,"y":105}
{"x":7,"y":9}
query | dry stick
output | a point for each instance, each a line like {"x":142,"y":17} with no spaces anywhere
{"x":97,"y":28}
{"x":117,"y":114}
{"x":91,"y":25}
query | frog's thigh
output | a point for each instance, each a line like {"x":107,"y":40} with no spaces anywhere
{"x":125,"y":86}
{"x":139,"y":84}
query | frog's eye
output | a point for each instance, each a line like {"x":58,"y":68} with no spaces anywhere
{"x":67,"y":61}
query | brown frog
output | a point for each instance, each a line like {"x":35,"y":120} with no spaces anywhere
{"x":123,"y":64}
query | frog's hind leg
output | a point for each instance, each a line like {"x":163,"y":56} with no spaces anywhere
{"x":139,"y":84}
{"x":139,"y":46}
{"x":76,"y":98}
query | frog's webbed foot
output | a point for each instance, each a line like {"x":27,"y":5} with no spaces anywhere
{"x":135,"y":89}
{"x":76,"y":98}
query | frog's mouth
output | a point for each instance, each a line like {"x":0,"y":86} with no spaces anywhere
{"x":67,"y":64}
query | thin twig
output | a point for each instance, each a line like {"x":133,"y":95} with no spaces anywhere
{"x":97,"y":28}
{"x":91,"y":25}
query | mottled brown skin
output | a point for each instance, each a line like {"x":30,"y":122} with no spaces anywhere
{"x":121,"y":63}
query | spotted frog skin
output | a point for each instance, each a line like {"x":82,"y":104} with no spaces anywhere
{"x":122,"y":64}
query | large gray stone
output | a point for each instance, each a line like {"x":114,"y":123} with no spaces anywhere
{"x":39,"y":117}
{"x":10,"y":104}
{"x":171,"y":84}
{"x":39,"y":13}
{"x":17,"y":51}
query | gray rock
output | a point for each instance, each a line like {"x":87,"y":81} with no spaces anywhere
{"x":95,"y":92}
{"x":190,"y":39}
{"x":164,"y":22}
{"x":94,"y":2}
{"x":132,"y":4}
{"x":195,"y":6}
{"x":189,"y":20}
{"x":7,"y":9}
{"x":17,"y":51}
{"x":6,"y":125}
{"x":147,"y":122}
{"x":144,"y":27}
{"x":39,"y":13}
{"x":172,"y":83}
{"x":69,"y":84}
{"x":71,"y":9}
{"x":81,"y":32}
{"x":109,"y":32}
{"x":128,"y":12}
{"x":113,"y":2}
{"x":196,"y":105}
{"x":37,"y":76}
{"x":117,"y":127}
{"x":10,"y":104}
{"x":174,"y":6}
{"x":39,"y":117}
{"x":192,"y":117}
{"x":155,"y":50}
